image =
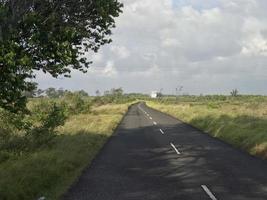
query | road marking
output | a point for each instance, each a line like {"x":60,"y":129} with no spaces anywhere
{"x":161,"y":131}
{"x":209,"y":193}
{"x":175,"y":149}
{"x":150,"y":118}
{"x":155,"y":123}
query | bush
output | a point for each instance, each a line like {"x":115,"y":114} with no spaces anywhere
{"x":41,"y":135}
{"x":75,"y":103}
{"x":26,"y":132}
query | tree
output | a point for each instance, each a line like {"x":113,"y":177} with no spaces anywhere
{"x":82,"y":93}
{"x":51,"y":92}
{"x":234,"y":93}
{"x":48,"y":35}
{"x":60,"y":92}
{"x":33,"y":92}
{"x":97,"y":92}
{"x":117,"y":92}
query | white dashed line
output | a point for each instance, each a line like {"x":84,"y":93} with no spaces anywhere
{"x":161,"y":131}
{"x":150,"y":118}
{"x":175,"y":149}
{"x":209,"y":193}
{"x":155,"y":123}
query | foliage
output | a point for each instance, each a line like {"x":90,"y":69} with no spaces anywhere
{"x":52,"y":169}
{"x":26,"y":132}
{"x":57,"y":93}
{"x":31,"y":93}
{"x":51,"y":36}
{"x":234,"y":93}
{"x":53,"y":93}
{"x":115,"y":95}
{"x":29,"y":131}
{"x":75,"y":103}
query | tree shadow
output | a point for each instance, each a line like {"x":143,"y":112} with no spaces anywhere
{"x":139,"y":163}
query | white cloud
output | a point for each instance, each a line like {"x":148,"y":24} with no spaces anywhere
{"x":110,"y":70}
{"x":208,"y":46}
{"x":120,"y":51}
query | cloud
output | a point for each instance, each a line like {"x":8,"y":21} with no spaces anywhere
{"x":209,"y":46}
{"x":121,"y":52}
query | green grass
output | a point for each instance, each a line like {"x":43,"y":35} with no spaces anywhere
{"x":50,"y":170}
{"x":241,"y":122}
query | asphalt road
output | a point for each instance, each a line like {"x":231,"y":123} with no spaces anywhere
{"x":153,"y":156}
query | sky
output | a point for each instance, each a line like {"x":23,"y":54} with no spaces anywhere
{"x":207,"y":46}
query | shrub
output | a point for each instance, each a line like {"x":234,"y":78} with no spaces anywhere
{"x":47,"y":115}
{"x":26,"y":132}
{"x":75,"y":103}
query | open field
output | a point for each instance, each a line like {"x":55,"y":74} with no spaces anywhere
{"x":240,"y":121}
{"x":50,"y":169}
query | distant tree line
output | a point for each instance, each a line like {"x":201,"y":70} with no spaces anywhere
{"x":51,"y":92}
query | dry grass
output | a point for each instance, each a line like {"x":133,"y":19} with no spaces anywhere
{"x":240,"y":123}
{"x":50,"y":171}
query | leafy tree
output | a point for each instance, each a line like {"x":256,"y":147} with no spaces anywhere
{"x":60,"y":92}
{"x":51,"y":92}
{"x":82,"y":93}
{"x":116,"y":92}
{"x":31,"y":93}
{"x":51,"y":36}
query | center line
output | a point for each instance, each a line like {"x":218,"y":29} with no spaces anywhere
{"x":161,"y":131}
{"x":209,"y":193}
{"x":175,"y":149}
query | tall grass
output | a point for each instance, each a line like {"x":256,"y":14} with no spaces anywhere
{"x":240,"y":121}
{"x":51,"y":169}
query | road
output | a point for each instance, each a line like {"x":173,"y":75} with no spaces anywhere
{"x":153,"y":156}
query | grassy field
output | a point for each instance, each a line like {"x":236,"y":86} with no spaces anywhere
{"x":240,"y":121}
{"x":51,"y":169}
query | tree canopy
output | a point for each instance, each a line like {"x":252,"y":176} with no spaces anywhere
{"x":48,"y":35}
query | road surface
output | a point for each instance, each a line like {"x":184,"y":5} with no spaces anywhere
{"x":153,"y":156}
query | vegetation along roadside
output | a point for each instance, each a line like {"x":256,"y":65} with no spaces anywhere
{"x":240,"y":121}
{"x":43,"y":152}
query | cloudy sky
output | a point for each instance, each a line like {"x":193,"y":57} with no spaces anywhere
{"x":208,"y":46}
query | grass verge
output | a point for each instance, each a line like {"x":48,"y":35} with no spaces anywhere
{"x":242,"y":124}
{"x":51,"y":170}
